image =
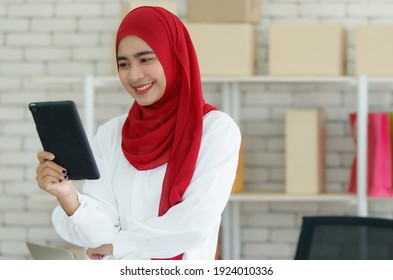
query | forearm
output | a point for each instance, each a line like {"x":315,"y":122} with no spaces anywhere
{"x":144,"y":242}
{"x":69,"y":202}
{"x":89,"y":226}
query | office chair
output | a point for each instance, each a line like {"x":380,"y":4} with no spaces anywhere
{"x":345,"y":238}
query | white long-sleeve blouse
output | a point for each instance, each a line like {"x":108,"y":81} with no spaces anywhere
{"x":121,"y":208}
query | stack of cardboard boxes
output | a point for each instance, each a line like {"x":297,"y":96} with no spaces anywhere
{"x":319,"y":50}
{"x":306,"y":50}
{"x":224,"y":35}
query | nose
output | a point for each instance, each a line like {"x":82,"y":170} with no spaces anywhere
{"x":135,"y":74}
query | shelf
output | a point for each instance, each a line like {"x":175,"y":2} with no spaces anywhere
{"x":270,"y":197}
{"x":231,"y":105}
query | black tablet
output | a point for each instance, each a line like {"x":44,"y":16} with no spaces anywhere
{"x":61,"y":132}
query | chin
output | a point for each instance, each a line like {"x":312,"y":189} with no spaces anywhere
{"x":143,"y":102}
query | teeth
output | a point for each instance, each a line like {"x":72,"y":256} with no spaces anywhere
{"x":144,"y":87}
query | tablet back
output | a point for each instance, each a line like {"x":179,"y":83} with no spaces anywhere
{"x":61,"y":132}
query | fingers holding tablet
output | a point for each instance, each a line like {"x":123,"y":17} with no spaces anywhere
{"x":48,"y":172}
{"x":43,"y":156}
{"x":53,"y":179}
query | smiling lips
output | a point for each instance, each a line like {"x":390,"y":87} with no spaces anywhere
{"x":143,"y":89}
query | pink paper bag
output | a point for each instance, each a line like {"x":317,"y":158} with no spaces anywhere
{"x":379,"y":155}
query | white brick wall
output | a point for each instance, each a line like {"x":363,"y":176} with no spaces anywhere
{"x":75,"y":37}
{"x":55,"y":25}
{"x":79,"y":10}
{"x":16,"y":25}
{"x":30,"y":11}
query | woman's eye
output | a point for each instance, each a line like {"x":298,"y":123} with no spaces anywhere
{"x":122,"y":65}
{"x":146,"y":60}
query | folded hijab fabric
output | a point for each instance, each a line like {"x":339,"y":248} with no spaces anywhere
{"x":170,"y":130}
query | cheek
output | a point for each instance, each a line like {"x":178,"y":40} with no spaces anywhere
{"x":123,"y":77}
{"x":162,"y":79}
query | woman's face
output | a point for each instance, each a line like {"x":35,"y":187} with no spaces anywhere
{"x":140,"y":71}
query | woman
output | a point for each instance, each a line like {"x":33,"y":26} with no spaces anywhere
{"x":167,"y":167}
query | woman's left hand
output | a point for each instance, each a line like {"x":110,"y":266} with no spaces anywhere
{"x":100,"y":252}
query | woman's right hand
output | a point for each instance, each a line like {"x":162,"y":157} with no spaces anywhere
{"x":53,"y":179}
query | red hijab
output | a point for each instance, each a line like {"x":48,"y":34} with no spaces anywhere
{"x":170,"y":130}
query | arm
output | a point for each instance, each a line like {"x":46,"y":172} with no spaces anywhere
{"x":96,"y":220}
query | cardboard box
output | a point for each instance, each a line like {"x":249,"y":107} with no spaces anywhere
{"x":226,"y":49}
{"x":305,"y":150}
{"x":224,"y":11}
{"x":307,"y":50}
{"x":168,"y":5}
{"x":373,"y":50}
{"x":238,"y":185}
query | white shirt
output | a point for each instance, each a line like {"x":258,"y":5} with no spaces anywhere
{"x":121,"y":208}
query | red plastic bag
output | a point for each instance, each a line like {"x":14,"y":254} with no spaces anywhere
{"x":379,"y":155}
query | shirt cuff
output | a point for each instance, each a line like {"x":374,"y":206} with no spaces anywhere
{"x":79,"y":216}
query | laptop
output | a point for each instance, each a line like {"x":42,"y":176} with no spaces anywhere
{"x":43,"y":252}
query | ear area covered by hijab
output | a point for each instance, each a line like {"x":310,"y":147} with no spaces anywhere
{"x":170,"y":130}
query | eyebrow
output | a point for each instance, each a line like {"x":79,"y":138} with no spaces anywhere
{"x":142,"y":53}
{"x":138,"y":54}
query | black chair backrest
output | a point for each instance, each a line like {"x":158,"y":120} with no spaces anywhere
{"x":345,"y":238}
